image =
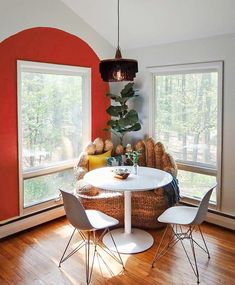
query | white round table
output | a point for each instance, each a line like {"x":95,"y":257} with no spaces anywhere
{"x":128,"y":240}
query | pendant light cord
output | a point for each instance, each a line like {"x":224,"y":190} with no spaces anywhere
{"x":118,"y":23}
{"x":118,"y":52}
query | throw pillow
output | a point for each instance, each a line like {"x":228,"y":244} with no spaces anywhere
{"x":98,"y":160}
{"x":84,"y":188}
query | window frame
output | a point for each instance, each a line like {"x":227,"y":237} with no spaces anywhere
{"x":50,"y":68}
{"x":197,"y":167}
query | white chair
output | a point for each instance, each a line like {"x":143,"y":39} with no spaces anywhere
{"x":87,"y":222}
{"x":175,"y":218}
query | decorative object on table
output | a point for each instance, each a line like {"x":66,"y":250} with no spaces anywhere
{"x":121,"y":173}
{"x":118,"y":69}
{"x":133,"y":156}
{"x":123,"y":120}
{"x":146,"y":206}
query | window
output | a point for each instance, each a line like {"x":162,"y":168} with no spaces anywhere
{"x":187,"y":118}
{"x":54,"y":125}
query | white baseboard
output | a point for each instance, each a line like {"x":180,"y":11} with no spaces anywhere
{"x":29,"y":222}
{"x":222,"y":221}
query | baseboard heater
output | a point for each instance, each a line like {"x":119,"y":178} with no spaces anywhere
{"x":25,"y":222}
{"x":31,"y":220}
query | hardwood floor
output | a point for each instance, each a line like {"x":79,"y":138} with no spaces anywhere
{"x":32,"y":257}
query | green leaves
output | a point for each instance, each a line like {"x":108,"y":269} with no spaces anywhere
{"x":130,"y":118}
{"x":116,"y":111}
{"x":135,"y":128}
{"x":124,"y":120}
{"x":116,"y":98}
{"x":127,"y":124}
{"x":128,"y":90}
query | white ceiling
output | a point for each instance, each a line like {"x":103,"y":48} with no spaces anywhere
{"x":152,"y":22}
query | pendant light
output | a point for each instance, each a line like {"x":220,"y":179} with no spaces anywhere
{"x":118,"y":69}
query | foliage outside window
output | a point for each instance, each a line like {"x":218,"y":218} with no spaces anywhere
{"x":186,"y":120}
{"x":51,"y":128}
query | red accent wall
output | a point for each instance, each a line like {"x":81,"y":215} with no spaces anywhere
{"x":43,"y":45}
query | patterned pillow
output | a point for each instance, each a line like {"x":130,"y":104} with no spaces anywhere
{"x":118,"y":160}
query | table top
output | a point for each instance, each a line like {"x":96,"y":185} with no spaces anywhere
{"x":146,"y":179}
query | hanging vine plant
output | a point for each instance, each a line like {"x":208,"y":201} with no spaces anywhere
{"x":123,"y":120}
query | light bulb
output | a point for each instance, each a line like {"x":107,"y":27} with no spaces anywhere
{"x":117,"y":74}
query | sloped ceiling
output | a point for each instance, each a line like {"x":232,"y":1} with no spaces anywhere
{"x":152,"y":22}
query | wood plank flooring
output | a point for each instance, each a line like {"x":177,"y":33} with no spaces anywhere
{"x":32,"y":257}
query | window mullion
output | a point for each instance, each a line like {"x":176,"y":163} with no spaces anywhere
{"x":197,"y":169}
{"x":45,"y":171}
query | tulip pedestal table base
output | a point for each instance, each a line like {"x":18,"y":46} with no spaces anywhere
{"x":128,"y":240}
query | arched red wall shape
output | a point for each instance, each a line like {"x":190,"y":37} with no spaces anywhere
{"x":42,"y":45}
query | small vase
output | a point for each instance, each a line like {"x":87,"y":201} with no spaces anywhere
{"x":135,"y":168}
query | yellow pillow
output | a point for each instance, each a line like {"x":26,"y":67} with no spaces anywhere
{"x":98,"y":160}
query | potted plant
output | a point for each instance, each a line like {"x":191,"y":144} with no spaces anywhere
{"x":123,"y":120}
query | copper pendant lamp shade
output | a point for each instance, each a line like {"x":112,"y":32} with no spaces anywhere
{"x":118,"y":69}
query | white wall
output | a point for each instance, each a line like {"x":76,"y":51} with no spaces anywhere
{"x":203,"y":50}
{"x":18,"y":15}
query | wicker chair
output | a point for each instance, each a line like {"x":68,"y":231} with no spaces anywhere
{"x":146,"y":205}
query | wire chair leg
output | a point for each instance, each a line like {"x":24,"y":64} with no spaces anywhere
{"x":94,"y":254}
{"x":89,"y":261}
{"x":180,"y":236}
{"x":66,"y":247}
{"x":159,"y":253}
{"x":194,"y":256}
{"x":116,"y":249}
{"x":87,"y":258}
{"x":188,"y":235}
{"x":204,"y":241}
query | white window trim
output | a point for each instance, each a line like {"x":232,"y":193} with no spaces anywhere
{"x":193,"y":68}
{"x":30,"y":66}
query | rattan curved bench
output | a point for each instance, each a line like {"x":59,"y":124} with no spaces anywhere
{"x":146,"y":206}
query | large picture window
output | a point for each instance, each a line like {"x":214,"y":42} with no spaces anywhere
{"x":187,"y":118}
{"x":54,"y":124}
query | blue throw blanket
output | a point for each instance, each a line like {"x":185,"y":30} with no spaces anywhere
{"x":172,"y":192}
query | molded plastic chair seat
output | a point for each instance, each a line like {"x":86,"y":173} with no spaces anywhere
{"x":179,"y":215}
{"x":100,"y":220}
